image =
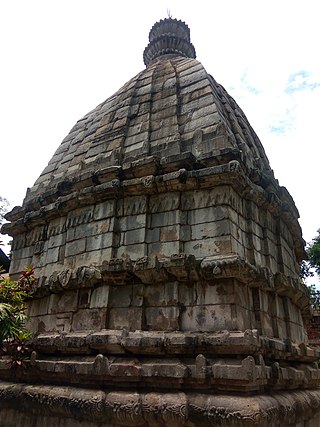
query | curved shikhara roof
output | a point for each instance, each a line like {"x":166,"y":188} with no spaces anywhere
{"x":171,"y":119}
{"x":173,"y":108}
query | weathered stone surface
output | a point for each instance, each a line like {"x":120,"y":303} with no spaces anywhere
{"x":167,"y":258}
{"x":152,"y":409}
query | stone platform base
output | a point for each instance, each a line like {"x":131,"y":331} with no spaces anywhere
{"x":23,"y":405}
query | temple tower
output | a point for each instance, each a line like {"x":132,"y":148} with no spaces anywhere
{"x":167,"y":258}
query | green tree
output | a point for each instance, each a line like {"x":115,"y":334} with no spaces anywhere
{"x":314,"y":295}
{"x":313,"y":252}
{"x":310,"y":267}
{"x":13,"y":332}
{"x":4,"y":205}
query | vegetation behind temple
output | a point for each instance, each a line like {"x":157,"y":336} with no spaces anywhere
{"x":311,"y":267}
{"x":13,"y":332}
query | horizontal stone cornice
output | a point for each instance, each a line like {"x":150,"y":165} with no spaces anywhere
{"x":160,"y":343}
{"x":54,"y":204}
{"x":181,"y":267}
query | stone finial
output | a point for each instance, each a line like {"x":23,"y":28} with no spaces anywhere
{"x":168,"y":37}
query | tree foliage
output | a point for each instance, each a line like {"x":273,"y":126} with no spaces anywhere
{"x":313,"y":251}
{"x":4,"y":204}
{"x":13,"y":332}
{"x":307,"y":268}
{"x":314,"y":295}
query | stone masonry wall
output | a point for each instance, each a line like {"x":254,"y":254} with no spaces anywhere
{"x":202,"y":223}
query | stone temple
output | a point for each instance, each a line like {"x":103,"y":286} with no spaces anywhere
{"x":167,"y":256}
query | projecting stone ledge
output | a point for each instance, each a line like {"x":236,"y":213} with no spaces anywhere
{"x":181,"y":267}
{"x":75,"y":407}
{"x":224,"y":375}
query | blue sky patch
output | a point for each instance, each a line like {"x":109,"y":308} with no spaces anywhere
{"x":301,"y":80}
{"x":247,"y":86}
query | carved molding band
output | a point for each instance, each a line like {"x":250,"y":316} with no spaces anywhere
{"x":149,"y":409}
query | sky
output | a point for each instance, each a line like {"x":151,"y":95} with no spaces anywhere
{"x":61,"y":58}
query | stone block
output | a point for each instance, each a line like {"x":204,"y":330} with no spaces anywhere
{"x":99,"y":241}
{"x":104,"y":210}
{"x":207,"y":247}
{"x":94,"y":258}
{"x":52,"y":255}
{"x":84,"y":298}
{"x":239,"y":249}
{"x":241,"y":294}
{"x":135,"y":149}
{"x":57,"y":240}
{"x":164,"y":103}
{"x":152,"y":235}
{"x":75,"y":247}
{"x":133,"y":236}
{"x":133,"y":251}
{"x":85,"y":230}
{"x":297,"y":333}
{"x":282,"y":329}
{"x":125,"y":318}
{"x":279,"y":308}
{"x":207,"y":215}
{"x":273,"y":264}
{"x":20,"y":253}
{"x":137,"y":295}
{"x":51,"y":323}
{"x":163,"y":250}
{"x":197,"y":103}
{"x":120,"y":296}
{"x":70,"y":234}
{"x":241,"y":222}
{"x":164,"y":202}
{"x":61,"y":303}
{"x":211,"y":229}
{"x":163,"y":132}
{"x":264,"y":301}
{"x":257,"y":243}
{"x":210,"y":318}
{"x":134,"y":206}
{"x":185,"y":233}
{"x":187,"y":294}
{"x":99,"y":297}
{"x":136,"y":128}
{"x":132,"y":222}
{"x":79,"y":216}
{"x":194,"y":88}
{"x":216,"y":293}
{"x":104,"y":226}
{"x":159,"y":295}
{"x":266,"y":324}
{"x":162,"y":318}
{"x":89,"y":319}
{"x":135,"y":141}
{"x":204,"y":111}
{"x":165,"y":219}
{"x":169,"y":233}
{"x":38,"y":307}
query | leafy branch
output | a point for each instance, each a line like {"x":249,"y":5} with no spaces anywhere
{"x":14,"y":335}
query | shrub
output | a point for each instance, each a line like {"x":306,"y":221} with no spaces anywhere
{"x":14,"y":335}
